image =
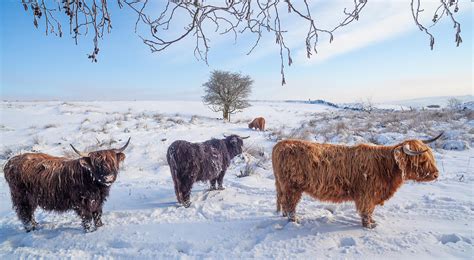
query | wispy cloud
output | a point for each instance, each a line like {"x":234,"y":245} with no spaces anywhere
{"x":379,"y":21}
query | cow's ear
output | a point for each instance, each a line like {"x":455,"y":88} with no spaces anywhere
{"x":400,"y":159}
{"x":120,"y":157}
{"x":86,"y":163}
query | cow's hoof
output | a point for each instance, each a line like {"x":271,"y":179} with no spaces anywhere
{"x":90,"y":229}
{"x":30,"y":227}
{"x":212,"y":188}
{"x":292,"y":218}
{"x":186,"y":204}
{"x":370,"y":225}
{"x":28,"y":230}
{"x":221,"y":188}
{"x":99,"y":224}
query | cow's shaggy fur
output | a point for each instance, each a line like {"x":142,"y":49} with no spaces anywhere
{"x":258,"y":123}
{"x":60,"y":184}
{"x":365,"y":174}
{"x":207,"y":161}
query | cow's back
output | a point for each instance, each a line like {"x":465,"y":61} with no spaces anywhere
{"x":28,"y":164}
{"x":183,"y":157}
{"x":322,"y":170}
{"x":290,"y":160}
{"x":44,"y":177}
{"x":215,"y":159}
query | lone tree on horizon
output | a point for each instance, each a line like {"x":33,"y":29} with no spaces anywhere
{"x":227,"y":92}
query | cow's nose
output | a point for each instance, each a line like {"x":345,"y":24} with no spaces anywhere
{"x":109,"y":178}
{"x":435,"y":175}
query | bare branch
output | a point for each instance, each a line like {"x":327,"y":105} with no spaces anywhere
{"x":202,"y":17}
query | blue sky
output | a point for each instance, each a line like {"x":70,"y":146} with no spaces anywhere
{"x":382,"y":57}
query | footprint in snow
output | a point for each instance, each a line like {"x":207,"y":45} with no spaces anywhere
{"x":347,"y":242}
{"x":453,"y":238}
{"x":183,"y":247}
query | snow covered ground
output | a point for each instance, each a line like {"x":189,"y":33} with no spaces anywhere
{"x":422,"y":220}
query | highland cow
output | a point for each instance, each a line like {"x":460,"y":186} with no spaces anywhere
{"x":366,"y":174}
{"x":258,"y":123}
{"x":60,"y":184}
{"x":207,"y":161}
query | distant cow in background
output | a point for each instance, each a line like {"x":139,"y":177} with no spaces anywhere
{"x":60,"y":184}
{"x":207,"y":161}
{"x":258,"y":123}
{"x":366,"y":174}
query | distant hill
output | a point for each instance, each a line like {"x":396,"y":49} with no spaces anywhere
{"x":441,"y":101}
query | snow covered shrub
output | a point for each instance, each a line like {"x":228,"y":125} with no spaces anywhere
{"x":248,"y":170}
{"x":6,"y":153}
{"x":50,"y":126}
{"x":456,"y":145}
{"x":454,"y":103}
{"x":256,"y":152}
{"x":194,"y":119}
{"x":158,"y":117}
{"x":37,"y":140}
{"x":177,"y":121}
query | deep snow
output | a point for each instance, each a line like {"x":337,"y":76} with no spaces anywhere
{"x":422,"y":220}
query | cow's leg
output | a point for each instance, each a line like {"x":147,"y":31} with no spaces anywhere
{"x":25,"y":211}
{"x":366,"y":209}
{"x":220,"y":180}
{"x":86,"y":216}
{"x":97,"y":216}
{"x":291,"y":197}
{"x":176,"y":190}
{"x":213,"y":184}
{"x":279,"y":196}
{"x":186,"y":195}
{"x":185,"y":189}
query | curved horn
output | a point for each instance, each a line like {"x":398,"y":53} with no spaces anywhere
{"x":412,"y":153}
{"x":224,"y":135}
{"x":123,"y":147}
{"x":244,"y":137}
{"x":78,"y":152}
{"x":432,"y":139}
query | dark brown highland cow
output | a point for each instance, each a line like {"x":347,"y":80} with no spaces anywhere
{"x":207,"y":161}
{"x":366,"y":174}
{"x":60,"y":184}
{"x":258,"y":123}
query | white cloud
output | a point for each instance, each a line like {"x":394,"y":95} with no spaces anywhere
{"x":379,"y":21}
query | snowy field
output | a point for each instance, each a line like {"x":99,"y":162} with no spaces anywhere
{"x":142,"y":221}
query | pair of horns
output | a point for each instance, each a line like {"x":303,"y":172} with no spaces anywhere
{"x":82,"y":154}
{"x":241,"y":137}
{"x":406,"y":148}
{"x":432,"y":139}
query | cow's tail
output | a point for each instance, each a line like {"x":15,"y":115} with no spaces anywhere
{"x":170,"y":156}
{"x":277,"y":174}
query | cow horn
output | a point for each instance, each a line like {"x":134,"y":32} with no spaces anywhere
{"x":123,"y":147}
{"x":224,"y":135}
{"x":432,"y":139}
{"x":412,"y":153}
{"x":78,"y":152}
{"x":244,"y":137}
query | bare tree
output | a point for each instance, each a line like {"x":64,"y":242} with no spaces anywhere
{"x":454,"y":103}
{"x":227,"y":92}
{"x":205,"y":17}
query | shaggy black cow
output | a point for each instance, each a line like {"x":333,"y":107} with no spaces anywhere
{"x":207,"y":161}
{"x":60,"y":184}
